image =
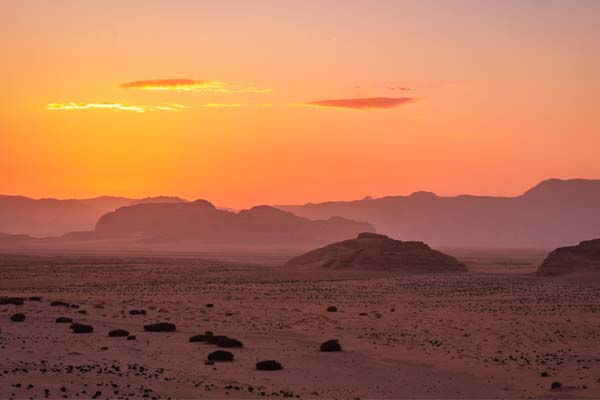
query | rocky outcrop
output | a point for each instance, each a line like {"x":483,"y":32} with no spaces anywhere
{"x":370,"y":251}
{"x":203,"y":222}
{"x":583,"y":258}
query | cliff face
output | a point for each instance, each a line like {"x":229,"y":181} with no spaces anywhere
{"x":584,"y":258}
{"x":370,"y":251}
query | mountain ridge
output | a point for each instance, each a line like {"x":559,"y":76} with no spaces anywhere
{"x":551,"y":214}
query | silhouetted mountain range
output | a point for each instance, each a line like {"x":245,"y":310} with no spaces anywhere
{"x":551,"y":214}
{"x":53,"y":217}
{"x":200,"y":220}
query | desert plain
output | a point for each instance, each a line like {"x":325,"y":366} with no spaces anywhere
{"x":497,"y":331}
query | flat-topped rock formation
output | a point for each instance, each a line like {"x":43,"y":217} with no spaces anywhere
{"x":54,"y":217}
{"x":202,"y":221}
{"x":584,"y":258}
{"x":371,"y":251}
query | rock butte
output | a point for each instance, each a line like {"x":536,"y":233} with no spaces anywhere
{"x":583,"y":258}
{"x":373,"y":251}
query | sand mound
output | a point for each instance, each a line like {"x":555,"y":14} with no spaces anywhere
{"x":378,"y":252}
{"x":583,"y":258}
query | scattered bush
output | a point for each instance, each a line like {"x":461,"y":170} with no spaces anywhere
{"x":17,"y":317}
{"x":220,"y":355}
{"x":331,"y":345}
{"x":160,"y":327}
{"x":81,"y":328}
{"x":268,"y":365}
{"x":16,"y":301}
{"x":118,"y":333}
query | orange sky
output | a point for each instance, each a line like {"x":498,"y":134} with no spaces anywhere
{"x":246,"y":102}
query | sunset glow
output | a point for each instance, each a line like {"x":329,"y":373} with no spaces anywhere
{"x":270,"y":102}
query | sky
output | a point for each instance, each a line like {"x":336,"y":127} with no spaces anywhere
{"x":284,"y":102}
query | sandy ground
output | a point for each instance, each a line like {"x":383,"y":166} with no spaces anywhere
{"x":490,"y":333}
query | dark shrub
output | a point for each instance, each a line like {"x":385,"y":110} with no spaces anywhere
{"x":131,"y":337}
{"x":137,"y":312}
{"x":197,"y":338}
{"x":160,"y":327}
{"x":82,"y":328}
{"x":214,"y":339}
{"x":35,"y":298}
{"x":64,"y":320}
{"x":118,"y":333}
{"x":59,"y":304}
{"x":332,"y":309}
{"x":268,"y":365}
{"x":556,"y":385}
{"x":17,"y":317}
{"x":220,"y":355}
{"x":229,"y":342}
{"x":331,"y":345}
{"x":16,"y":301}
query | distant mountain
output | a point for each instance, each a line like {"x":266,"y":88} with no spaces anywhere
{"x":201,"y":221}
{"x":552,"y":214}
{"x":53,"y":217}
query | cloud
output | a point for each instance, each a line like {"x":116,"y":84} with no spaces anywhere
{"x":365,"y":103}
{"x":114,"y":106}
{"x":223,"y":105}
{"x":402,"y":88}
{"x":191,"y":85}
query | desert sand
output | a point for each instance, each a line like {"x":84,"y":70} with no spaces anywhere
{"x":497,"y":331}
